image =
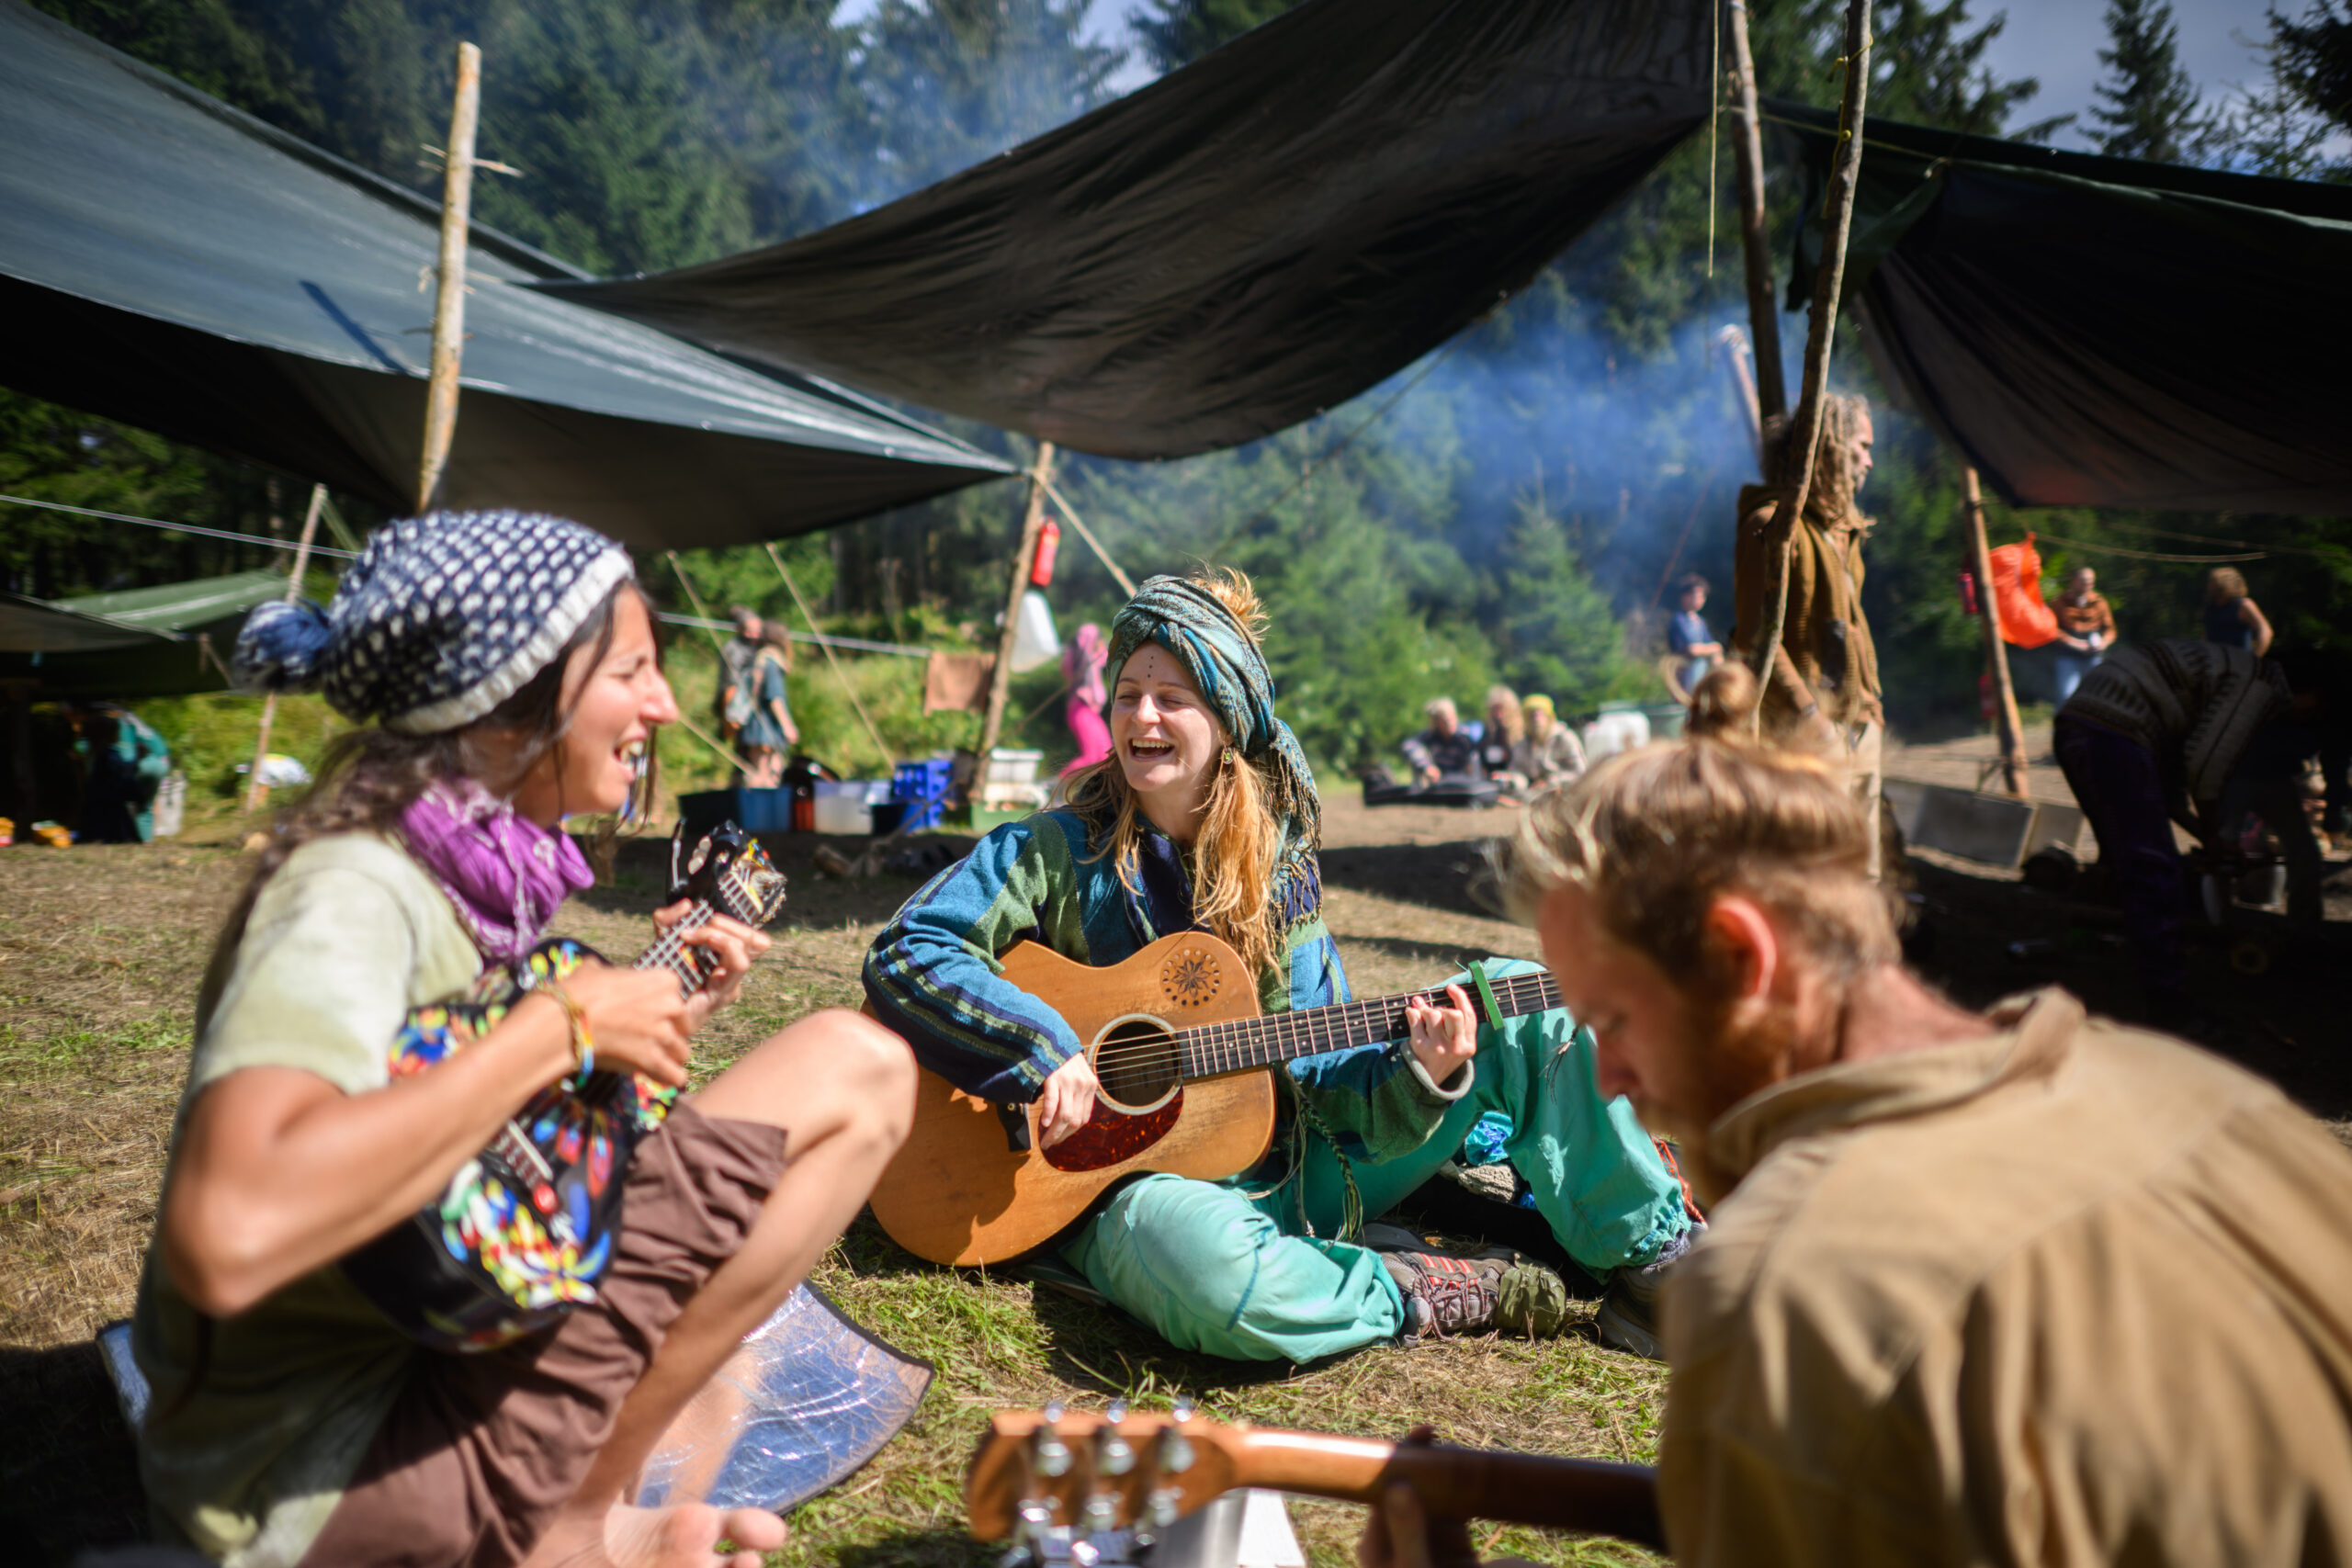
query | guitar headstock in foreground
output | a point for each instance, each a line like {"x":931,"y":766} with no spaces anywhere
{"x":1059,"y":1483}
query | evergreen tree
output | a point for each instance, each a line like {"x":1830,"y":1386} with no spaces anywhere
{"x":2147,"y":107}
{"x":1177,"y":32}
{"x":2311,"y":60}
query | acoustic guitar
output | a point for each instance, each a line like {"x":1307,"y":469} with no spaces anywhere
{"x":1185,"y":1061}
{"x":1077,"y":1486}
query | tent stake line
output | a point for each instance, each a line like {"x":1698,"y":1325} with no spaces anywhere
{"x":831,"y":656}
{"x":1025,"y":557}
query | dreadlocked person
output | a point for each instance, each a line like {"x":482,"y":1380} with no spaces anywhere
{"x":1823,"y":687}
{"x":1206,"y":818}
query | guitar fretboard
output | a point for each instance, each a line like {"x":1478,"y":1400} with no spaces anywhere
{"x":1245,"y":1042}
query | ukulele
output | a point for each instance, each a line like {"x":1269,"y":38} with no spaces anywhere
{"x":1077,"y":1486}
{"x":1184,"y":1059}
{"x":524,"y":1229}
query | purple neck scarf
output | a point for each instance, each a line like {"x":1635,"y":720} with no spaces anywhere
{"x":505,"y":876}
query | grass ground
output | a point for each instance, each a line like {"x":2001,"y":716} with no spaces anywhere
{"x":101,"y":950}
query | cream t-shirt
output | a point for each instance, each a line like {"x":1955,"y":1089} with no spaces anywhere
{"x":246,"y":1465}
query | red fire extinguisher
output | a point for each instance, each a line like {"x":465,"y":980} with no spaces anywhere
{"x":1050,"y":541}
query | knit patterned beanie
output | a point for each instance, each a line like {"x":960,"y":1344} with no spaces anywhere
{"x":442,"y":618}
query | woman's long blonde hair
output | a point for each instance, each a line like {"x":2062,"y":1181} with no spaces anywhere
{"x":1240,"y":843}
{"x":1836,"y":474}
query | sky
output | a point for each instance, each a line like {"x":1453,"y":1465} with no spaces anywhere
{"x":2056,"y":40}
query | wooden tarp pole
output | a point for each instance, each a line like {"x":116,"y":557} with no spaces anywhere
{"x":1733,"y":344}
{"x":255,"y":791}
{"x":1024,"y":556}
{"x":1980,"y":554}
{"x":1763,"y":318}
{"x":449,"y":298}
{"x":1829,"y":277}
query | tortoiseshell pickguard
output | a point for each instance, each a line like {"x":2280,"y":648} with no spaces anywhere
{"x":1113,"y":1135}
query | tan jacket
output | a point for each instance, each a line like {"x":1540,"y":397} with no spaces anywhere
{"x":1826,"y":635}
{"x":2071,"y":1293}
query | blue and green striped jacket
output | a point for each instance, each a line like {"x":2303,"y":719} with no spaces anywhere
{"x":932,"y":975}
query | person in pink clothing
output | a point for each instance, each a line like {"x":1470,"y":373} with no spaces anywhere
{"x":1082,"y":661}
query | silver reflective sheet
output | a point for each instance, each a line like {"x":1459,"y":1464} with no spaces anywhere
{"x":809,"y":1399}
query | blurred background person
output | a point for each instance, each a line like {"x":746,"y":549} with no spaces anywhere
{"x":1082,"y":660}
{"x":1499,"y":738}
{"x":1551,"y":754}
{"x":735,"y":701}
{"x":1689,"y":638}
{"x":2231,"y":617}
{"x":768,"y":728}
{"x":2086,"y":631}
{"x":1445,"y":749}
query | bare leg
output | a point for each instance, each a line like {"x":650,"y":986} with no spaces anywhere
{"x":841,"y":1086}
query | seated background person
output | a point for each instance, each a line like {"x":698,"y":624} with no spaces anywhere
{"x":1500,"y":737}
{"x":1689,"y":638}
{"x":1551,"y":752}
{"x":291,"y":1421}
{"x":1206,"y":817}
{"x":2030,"y":1288}
{"x":1446,"y":749}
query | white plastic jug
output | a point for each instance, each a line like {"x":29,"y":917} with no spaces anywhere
{"x":1033,"y":642}
{"x":1615,"y":732}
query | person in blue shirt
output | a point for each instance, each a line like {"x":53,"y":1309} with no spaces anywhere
{"x":1687,"y":634}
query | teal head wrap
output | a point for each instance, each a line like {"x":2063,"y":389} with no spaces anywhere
{"x":1223,"y":662}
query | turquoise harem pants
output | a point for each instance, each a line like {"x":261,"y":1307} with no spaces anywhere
{"x":1216,"y":1271}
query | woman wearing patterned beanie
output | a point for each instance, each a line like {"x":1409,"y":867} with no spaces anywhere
{"x":504,"y":669}
{"x":1206,"y":818}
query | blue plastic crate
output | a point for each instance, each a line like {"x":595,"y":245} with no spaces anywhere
{"x":925,"y":780}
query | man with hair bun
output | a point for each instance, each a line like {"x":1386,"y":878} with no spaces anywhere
{"x":2017,"y":1287}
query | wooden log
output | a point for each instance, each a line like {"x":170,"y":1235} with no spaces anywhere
{"x":449,"y":298}
{"x":1996,"y":653}
{"x":1025,"y":557}
{"x":1829,"y":277}
{"x":255,"y":791}
{"x":1754,"y":244}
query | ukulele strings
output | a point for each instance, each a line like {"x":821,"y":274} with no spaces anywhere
{"x":1511,"y":989}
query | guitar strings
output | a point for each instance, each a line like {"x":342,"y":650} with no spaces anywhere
{"x":1517,"y":988}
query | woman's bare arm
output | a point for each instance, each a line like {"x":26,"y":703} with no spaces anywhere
{"x":2251,"y":613}
{"x":279,"y":1171}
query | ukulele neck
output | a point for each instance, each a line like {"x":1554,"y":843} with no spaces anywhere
{"x":691,"y":965}
{"x":1242,"y":1043}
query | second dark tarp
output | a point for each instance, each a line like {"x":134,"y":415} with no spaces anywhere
{"x":1242,"y":244}
{"x":2103,"y":331}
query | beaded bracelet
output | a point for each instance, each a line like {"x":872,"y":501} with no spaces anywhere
{"x":584,"y":1043}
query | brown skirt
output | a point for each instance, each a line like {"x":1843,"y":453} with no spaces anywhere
{"x":481,"y":1450}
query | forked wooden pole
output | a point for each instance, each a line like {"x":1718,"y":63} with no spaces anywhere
{"x":255,"y":791}
{"x":1829,"y":279}
{"x":449,"y":298}
{"x":1024,"y":556}
{"x":1996,"y":653}
{"x":1755,"y":246}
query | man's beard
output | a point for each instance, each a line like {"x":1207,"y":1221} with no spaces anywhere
{"x":1731,"y":1049}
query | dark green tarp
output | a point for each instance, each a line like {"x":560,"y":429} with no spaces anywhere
{"x":2103,"y":331}
{"x":137,"y":642}
{"x":170,"y":261}
{"x":1239,"y":246}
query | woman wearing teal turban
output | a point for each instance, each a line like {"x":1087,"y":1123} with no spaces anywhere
{"x":1206,"y":818}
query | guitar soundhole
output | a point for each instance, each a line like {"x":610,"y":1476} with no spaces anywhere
{"x":1138,"y":1063}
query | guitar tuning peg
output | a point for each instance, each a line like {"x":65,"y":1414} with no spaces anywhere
{"x":1049,"y":1453}
{"x":1160,"y":1511}
{"x":1175,"y":1450}
{"x":1101,"y":1515}
{"x":1113,"y":1455}
{"x":1084,"y":1554}
{"x":1183,"y":1409}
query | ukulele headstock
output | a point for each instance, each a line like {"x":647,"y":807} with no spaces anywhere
{"x":727,"y":869}
{"x":1094,"y":1483}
